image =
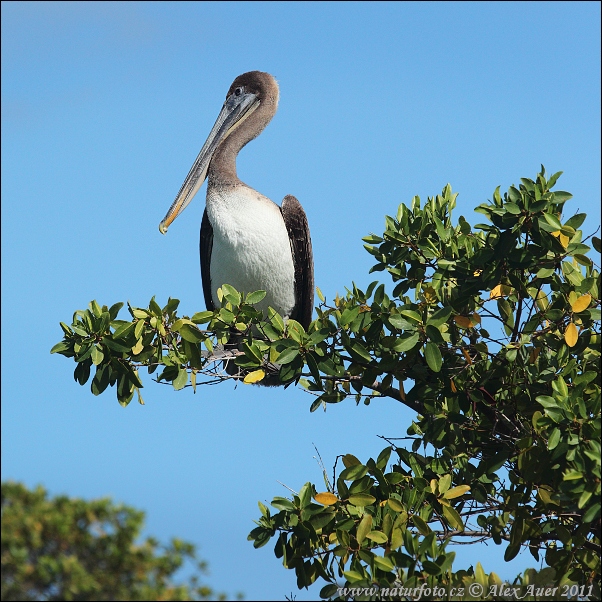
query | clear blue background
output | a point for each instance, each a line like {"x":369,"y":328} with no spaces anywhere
{"x":104,"y":108}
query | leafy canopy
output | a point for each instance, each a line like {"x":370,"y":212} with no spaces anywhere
{"x":63,"y":548}
{"x":497,"y":350}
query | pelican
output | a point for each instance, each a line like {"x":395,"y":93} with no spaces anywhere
{"x":247,"y":240}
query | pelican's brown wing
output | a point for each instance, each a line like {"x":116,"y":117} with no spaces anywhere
{"x":206,"y":246}
{"x":298,"y":233}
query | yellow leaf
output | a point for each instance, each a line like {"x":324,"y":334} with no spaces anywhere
{"x":467,"y":355}
{"x":254,"y":377}
{"x":394,"y":504}
{"x":501,"y":290}
{"x":434,"y":485}
{"x":452,"y":384}
{"x":564,"y":240}
{"x":494,"y":579}
{"x":495,"y":292}
{"x":582,"y":303}
{"x":444,"y":483}
{"x":454,"y":492}
{"x":350,"y":460}
{"x":480,"y":575}
{"x":430,"y":295}
{"x":452,"y":516}
{"x":477,"y":272}
{"x":326,"y":498}
{"x":571,"y":335}
{"x":541,"y":300}
{"x":463,"y":321}
{"x":546,"y":497}
{"x":138,"y":347}
{"x":533,"y":355}
{"x":476,"y":318}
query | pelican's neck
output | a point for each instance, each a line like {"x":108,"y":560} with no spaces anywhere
{"x":222,"y":168}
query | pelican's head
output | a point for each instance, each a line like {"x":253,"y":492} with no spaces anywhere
{"x":248,"y":92}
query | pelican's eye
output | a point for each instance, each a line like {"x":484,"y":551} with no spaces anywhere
{"x":238,"y":92}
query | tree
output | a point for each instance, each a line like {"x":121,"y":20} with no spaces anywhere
{"x":63,"y":548}
{"x":498,"y":349}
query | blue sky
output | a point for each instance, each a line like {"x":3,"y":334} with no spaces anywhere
{"x":104,"y":108}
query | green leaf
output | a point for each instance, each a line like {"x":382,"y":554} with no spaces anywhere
{"x":431,"y":568}
{"x":584,"y":499}
{"x":383,"y":562}
{"x":350,"y":460}
{"x":453,"y":518}
{"x":328,"y":591}
{"x":434,"y":335}
{"x":154,"y":307}
{"x":288,"y":355}
{"x":546,"y":401}
{"x":202,"y":317}
{"x":364,"y":527}
{"x":97,"y":355}
{"x":191,"y":333}
{"x":592,"y":514}
{"x":377,"y":537}
{"x":252,"y":352}
{"x":124,"y":330}
{"x":114,"y":345}
{"x":114,"y":310}
{"x":433,"y":356}
{"x":444,"y":483}
{"x":421,"y":525}
{"x":560,"y":196}
{"x":353,"y":472}
{"x":411,"y":315}
{"x":511,"y":552}
{"x":255,"y":297}
{"x":554,"y":439}
{"x":281,"y":503}
{"x":60,"y":347}
{"x":395,"y":505}
{"x":352,"y":576}
{"x":319,"y":521}
{"x":552,"y":220}
{"x":181,"y":379}
{"x":360,"y":351}
{"x":361,"y":499}
{"x":231,"y":294}
{"x":576,"y":221}
{"x":349,"y":315}
{"x":406,"y":342}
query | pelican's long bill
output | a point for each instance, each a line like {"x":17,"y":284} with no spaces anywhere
{"x":235,"y":110}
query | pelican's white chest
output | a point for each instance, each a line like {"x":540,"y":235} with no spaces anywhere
{"x":251,"y":248}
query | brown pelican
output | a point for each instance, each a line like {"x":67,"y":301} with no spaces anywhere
{"x":247,"y":240}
